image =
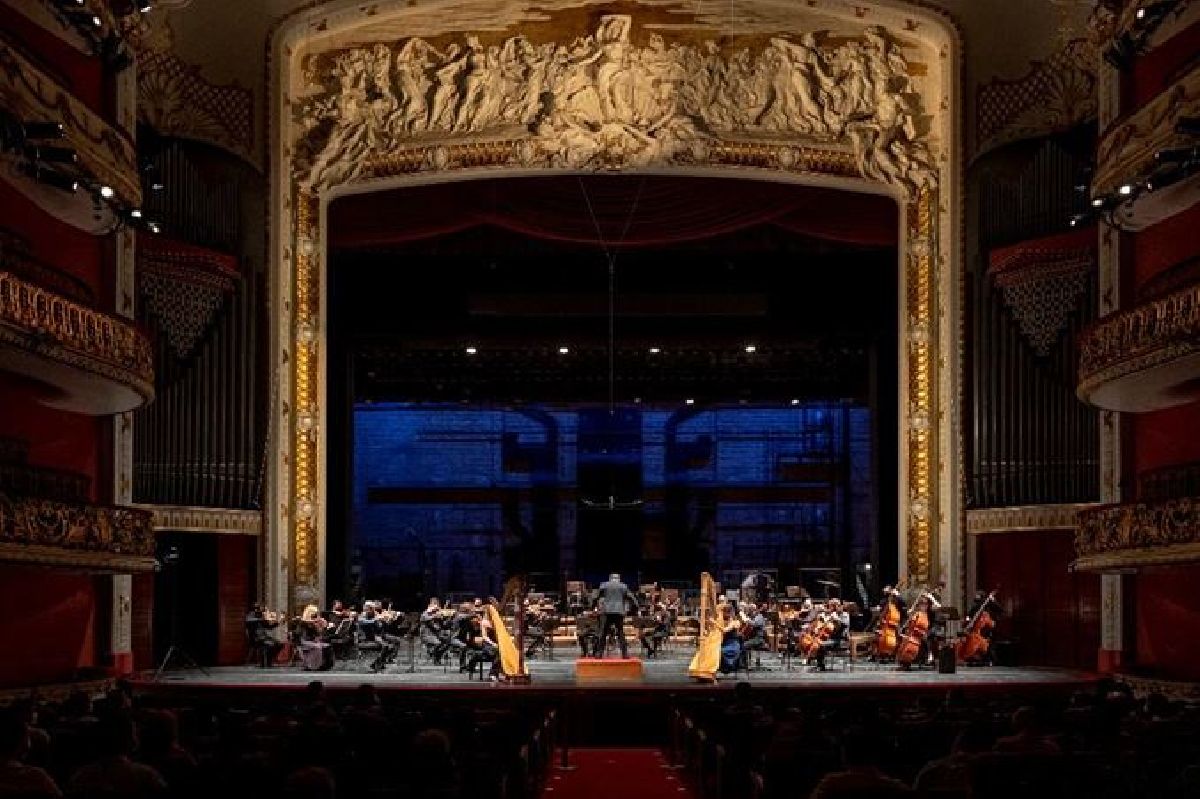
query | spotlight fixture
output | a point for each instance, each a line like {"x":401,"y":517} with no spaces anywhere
{"x":655,"y":350}
{"x":751,"y":349}
{"x":471,"y":350}
{"x":795,"y":401}
{"x":145,"y":6}
{"x":157,"y":186}
{"x":106,"y":192}
{"x":689,"y":401}
{"x":564,"y":350}
{"x":1125,"y":190}
{"x":154,"y":227}
{"x":1097,"y":202}
{"x":136,"y":213}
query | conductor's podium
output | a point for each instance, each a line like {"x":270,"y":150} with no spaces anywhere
{"x":608,"y":670}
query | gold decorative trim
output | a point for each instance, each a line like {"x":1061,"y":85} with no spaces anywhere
{"x":1132,"y":341}
{"x":345,"y":119}
{"x":1023,"y":518}
{"x":104,"y":152}
{"x":43,"y":531}
{"x":1138,"y":534}
{"x":226,"y":521}
{"x":1126,"y":151}
{"x":45,"y":323}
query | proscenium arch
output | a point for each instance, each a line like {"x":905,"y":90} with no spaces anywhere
{"x":355,"y":153}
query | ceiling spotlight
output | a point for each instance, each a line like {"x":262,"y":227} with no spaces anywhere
{"x":136,"y":213}
{"x":655,"y":350}
{"x":637,"y":400}
{"x":1098,"y":202}
{"x":145,"y":6}
{"x":1141,"y":13}
{"x":1125,"y":190}
{"x":750,"y":348}
{"x":96,"y":21}
{"x":471,"y":350}
{"x":157,"y":186}
{"x":154,"y":227}
{"x":563,"y":350}
{"x":795,"y":401}
{"x":107,"y":192}
{"x":689,"y":401}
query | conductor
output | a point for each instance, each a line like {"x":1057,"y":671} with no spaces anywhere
{"x":613,"y":601}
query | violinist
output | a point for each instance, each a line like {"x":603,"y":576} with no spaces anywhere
{"x":434,"y":636}
{"x":370,"y":632}
{"x":260,"y":635}
{"x":315,"y":651}
{"x":837,"y":624}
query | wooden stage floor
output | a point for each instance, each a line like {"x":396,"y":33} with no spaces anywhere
{"x":667,"y":673}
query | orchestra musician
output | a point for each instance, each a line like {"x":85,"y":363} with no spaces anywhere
{"x":754,"y":628}
{"x":371,"y":635}
{"x":731,"y":638}
{"x":434,"y":635}
{"x":837,"y":623}
{"x":658,"y":631}
{"x":316,"y":654}
{"x":614,"y":601}
{"x":260,"y":635}
{"x":587,"y":632}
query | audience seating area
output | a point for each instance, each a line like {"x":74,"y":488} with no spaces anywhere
{"x":1098,"y":745}
{"x":358,"y":744}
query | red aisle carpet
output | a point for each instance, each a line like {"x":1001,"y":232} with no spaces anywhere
{"x":624,"y":773}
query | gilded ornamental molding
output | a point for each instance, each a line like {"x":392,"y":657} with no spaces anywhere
{"x":53,"y":533}
{"x":44,"y":324}
{"x":104,"y":152}
{"x":180,"y":518}
{"x":862,"y":96}
{"x":1126,"y":153}
{"x":1138,"y":534}
{"x":1022,"y":518}
{"x":1156,"y":335}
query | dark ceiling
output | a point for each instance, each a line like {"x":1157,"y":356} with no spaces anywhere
{"x":405,"y":309}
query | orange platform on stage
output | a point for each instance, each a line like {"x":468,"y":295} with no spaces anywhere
{"x":608,"y":670}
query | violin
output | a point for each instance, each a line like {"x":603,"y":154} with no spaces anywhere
{"x":976,"y":640}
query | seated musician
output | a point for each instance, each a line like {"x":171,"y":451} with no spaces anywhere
{"x":658,"y":631}
{"x":260,"y":635}
{"x":839,"y":620}
{"x":370,"y":633}
{"x":731,"y":640}
{"x":462,"y":630}
{"x":339,"y":611}
{"x":756,"y":637}
{"x":433,"y":636}
{"x":535,"y":629}
{"x":315,"y":652}
{"x":481,"y":646}
{"x":587,"y":632}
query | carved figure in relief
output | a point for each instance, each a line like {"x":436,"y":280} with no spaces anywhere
{"x":602,"y":101}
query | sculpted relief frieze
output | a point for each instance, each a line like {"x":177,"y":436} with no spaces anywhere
{"x":603,"y":101}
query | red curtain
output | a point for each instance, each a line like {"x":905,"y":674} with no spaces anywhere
{"x":617,"y":210}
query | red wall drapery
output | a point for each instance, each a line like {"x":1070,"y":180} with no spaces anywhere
{"x":616,"y":210}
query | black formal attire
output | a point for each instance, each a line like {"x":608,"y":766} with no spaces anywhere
{"x":841,"y":625}
{"x":615,"y":598}
{"x":262,"y":643}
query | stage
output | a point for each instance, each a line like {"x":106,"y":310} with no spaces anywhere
{"x":667,"y":673}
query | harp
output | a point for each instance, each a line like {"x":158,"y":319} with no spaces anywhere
{"x":708,"y":656}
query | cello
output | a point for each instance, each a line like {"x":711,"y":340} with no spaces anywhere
{"x":976,"y":640}
{"x":816,"y":633}
{"x":912,"y":634}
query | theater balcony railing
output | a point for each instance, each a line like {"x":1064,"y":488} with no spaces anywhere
{"x":1144,"y":171}
{"x":104,"y":156}
{"x":1145,"y":358}
{"x":90,"y":362}
{"x":187,"y":519}
{"x":1138,"y":534}
{"x":76,"y":535}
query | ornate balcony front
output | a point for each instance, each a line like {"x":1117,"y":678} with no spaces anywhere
{"x":92,"y":362}
{"x":52,"y":533}
{"x":1142,"y":162}
{"x":1146,"y":358}
{"x":1141,"y":534}
{"x":104,"y":155}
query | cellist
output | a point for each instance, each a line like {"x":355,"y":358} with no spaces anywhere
{"x":887,"y":629}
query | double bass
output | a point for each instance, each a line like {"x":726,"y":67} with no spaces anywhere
{"x":912,"y":634}
{"x":976,"y":639}
{"x":887,"y":633}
